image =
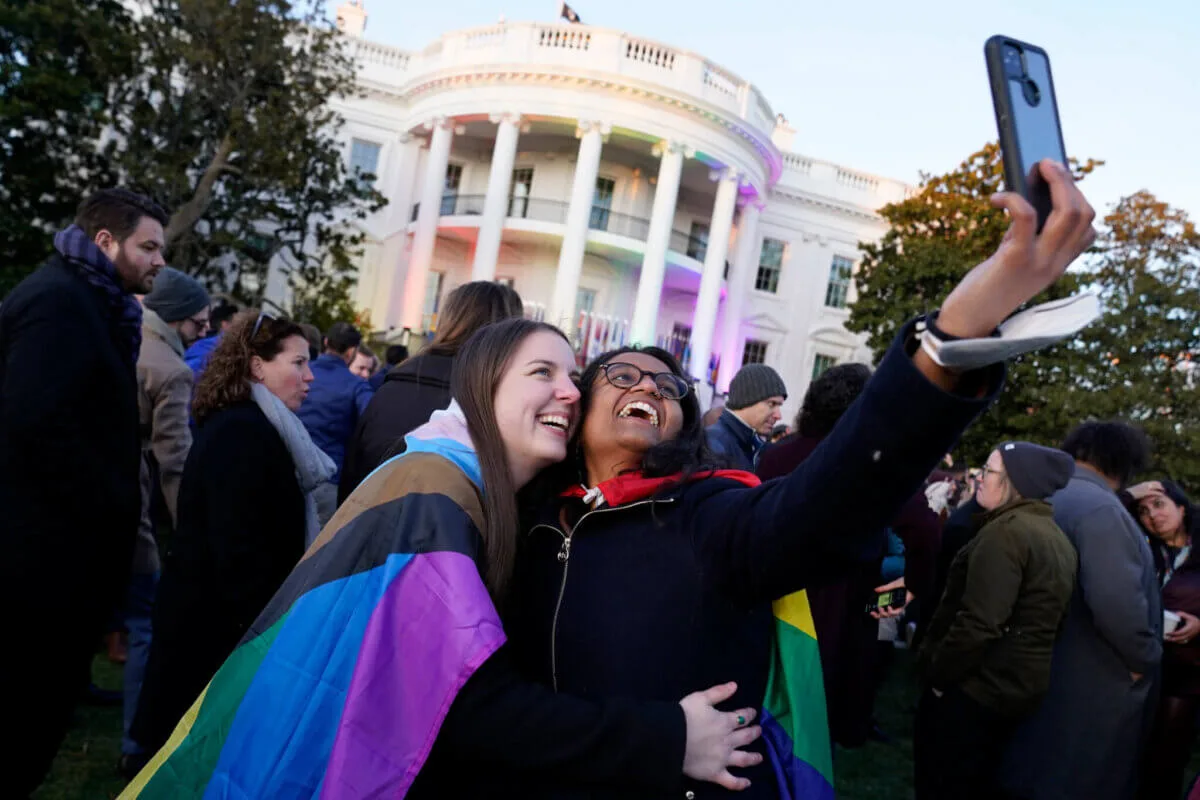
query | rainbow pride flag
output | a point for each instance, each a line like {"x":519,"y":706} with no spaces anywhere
{"x":794,"y":721}
{"x":340,"y":686}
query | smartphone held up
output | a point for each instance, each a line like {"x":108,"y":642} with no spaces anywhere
{"x":1026,"y":116}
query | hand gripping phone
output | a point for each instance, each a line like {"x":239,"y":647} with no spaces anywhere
{"x":1026,"y":116}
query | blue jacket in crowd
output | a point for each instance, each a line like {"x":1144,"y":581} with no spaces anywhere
{"x":735,"y":440}
{"x":198,"y":354}
{"x":335,"y":400}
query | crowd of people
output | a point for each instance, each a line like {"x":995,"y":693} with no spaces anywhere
{"x":576,"y":582}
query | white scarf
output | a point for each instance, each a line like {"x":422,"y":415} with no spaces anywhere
{"x":313,"y":467}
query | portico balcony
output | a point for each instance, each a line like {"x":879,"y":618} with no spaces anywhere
{"x":463,"y":214}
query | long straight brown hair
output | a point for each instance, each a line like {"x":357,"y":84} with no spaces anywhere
{"x":478,"y":368}
{"x":467,"y":309}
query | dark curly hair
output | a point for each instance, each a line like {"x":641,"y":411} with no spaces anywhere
{"x":829,"y":397}
{"x":226,"y":378}
{"x":688,"y":452}
{"x":1118,"y":449}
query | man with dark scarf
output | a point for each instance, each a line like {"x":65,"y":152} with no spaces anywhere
{"x":69,"y":463}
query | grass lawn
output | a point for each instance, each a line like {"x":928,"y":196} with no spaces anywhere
{"x":85,"y":768}
{"x":86,"y":765}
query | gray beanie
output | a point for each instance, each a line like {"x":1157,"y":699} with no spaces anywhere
{"x":1035,"y":471}
{"x":175,"y":296}
{"x":753,"y":384}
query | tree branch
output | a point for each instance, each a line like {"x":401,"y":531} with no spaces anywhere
{"x":188,"y":214}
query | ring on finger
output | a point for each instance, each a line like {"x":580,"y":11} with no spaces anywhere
{"x":741,"y":721}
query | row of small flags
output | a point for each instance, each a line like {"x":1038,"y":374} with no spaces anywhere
{"x":597,"y":333}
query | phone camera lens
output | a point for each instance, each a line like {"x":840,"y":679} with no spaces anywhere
{"x":1033,"y":95}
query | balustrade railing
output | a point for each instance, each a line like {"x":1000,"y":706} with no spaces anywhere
{"x":555,"y":211}
{"x":572,"y":47}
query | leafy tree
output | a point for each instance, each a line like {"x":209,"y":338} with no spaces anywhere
{"x":233,"y":126}
{"x":936,"y":236}
{"x":1148,"y":270}
{"x":63,"y":65}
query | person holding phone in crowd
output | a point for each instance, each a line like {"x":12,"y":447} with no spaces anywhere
{"x":379,"y":669}
{"x":645,"y":573}
{"x":1169,"y":519}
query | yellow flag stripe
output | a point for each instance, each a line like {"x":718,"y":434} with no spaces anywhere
{"x":180,"y":733}
{"x":795,"y":611}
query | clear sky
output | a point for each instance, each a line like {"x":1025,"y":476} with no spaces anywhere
{"x":897,"y":88}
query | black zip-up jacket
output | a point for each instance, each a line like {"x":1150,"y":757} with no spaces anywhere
{"x":411,"y":392}
{"x":653,"y":599}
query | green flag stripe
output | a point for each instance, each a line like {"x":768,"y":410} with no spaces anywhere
{"x":187,"y":771}
{"x":796,"y":697}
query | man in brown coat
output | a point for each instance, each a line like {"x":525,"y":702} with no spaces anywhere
{"x":176,"y":314}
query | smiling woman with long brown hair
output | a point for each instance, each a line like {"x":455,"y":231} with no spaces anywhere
{"x":379,"y":669}
{"x":245,"y":514}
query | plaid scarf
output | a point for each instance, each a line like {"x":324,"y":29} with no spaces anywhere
{"x":82,"y":253}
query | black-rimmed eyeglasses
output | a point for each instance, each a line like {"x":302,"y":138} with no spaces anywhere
{"x":626,"y":376}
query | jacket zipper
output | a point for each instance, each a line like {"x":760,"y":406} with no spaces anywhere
{"x":564,"y":558}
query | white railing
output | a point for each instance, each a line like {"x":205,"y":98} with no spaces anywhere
{"x":649,"y":53}
{"x":486,"y":37}
{"x":573,"y":38}
{"x":563,"y":48}
{"x":379,"y":54}
{"x":855,"y":180}
{"x":798,"y":163}
{"x":720,"y":80}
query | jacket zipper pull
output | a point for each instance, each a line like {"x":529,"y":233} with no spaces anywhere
{"x":564,"y":552}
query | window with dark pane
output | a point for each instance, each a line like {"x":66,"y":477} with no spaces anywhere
{"x":838,"y":289}
{"x":755,"y":352}
{"x":450,"y":193}
{"x":821,"y":363}
{"x":518,"y":195}
{"x":770,"y":265}
{"x":602,"y":203}
{"x":697,"y":247}
{"x":364,"y":160}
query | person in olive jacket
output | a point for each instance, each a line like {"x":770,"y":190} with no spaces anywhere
{"x":986,"y":656}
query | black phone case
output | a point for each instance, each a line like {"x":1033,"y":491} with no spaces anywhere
{"x":1002,"y":102}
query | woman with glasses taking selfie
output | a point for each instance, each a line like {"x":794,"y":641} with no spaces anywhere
{"x":644,"y":572}
{"x":245,"y":513}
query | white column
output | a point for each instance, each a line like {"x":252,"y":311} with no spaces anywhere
{"x":705,"y":320}
{"x":432,"y":187}
{"x":654,"y":263}
{"x":744,"y":260}
{"x":495,"y":204}
{"x":400,"y":203}
{"x":591,"y":136}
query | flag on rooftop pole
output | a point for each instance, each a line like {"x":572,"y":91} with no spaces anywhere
{"x":568,"y":13}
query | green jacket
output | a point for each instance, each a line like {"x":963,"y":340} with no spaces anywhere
{"x":1006,"y":596}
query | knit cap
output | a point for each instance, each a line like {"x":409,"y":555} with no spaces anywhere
{"x":1035,"y":471}
{"x":753,"y":384}
{"x":175,"y":296}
